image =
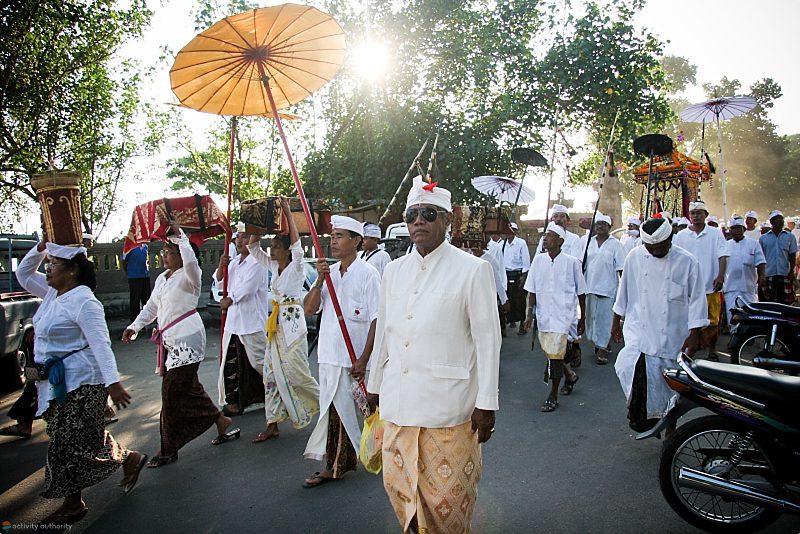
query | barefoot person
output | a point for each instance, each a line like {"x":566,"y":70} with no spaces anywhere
{"x":337,"y":435}
{"x":73,"y":349}
{"x":290,"y":392}
{"x":555,"y":290}
{"x":186,"y":410}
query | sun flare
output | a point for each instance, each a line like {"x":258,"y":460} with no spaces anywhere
{"x":371,"y":60}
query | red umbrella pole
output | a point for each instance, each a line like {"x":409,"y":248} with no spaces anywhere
{"x":300,"y":193}
{"x":234,"y":121}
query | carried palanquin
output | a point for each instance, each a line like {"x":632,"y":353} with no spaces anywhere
{"x":265,"y":216}
{"x":675,"y":181}
{"x":198,"y":215}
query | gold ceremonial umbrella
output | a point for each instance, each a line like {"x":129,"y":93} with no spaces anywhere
{"x":256,"y":63}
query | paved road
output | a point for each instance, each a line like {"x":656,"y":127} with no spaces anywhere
{"x":575,"y":470}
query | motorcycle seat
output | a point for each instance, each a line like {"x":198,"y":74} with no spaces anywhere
{"x":783,"y":309}
{"x":778,"y":392}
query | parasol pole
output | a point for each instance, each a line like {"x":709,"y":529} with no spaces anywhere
{"x":702,"y":155}
{"x":411,"y":168}
{"x":428,"y":178}
{"x":312,"y":227}
{"x":722,"y":166}
{"x":231,"y":153}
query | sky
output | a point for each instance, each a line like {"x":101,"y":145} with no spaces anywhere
{"x":739,"y":39}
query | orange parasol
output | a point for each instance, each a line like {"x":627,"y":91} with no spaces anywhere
{"x":259,"y":62}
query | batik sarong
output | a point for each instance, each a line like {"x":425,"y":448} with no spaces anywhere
{"x":186,"y":409}
{"x":290,"y":392}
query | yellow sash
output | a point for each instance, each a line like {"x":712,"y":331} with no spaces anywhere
{"x":272,"y":320}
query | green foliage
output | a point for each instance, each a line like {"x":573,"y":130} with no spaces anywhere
{"x":65,"y":100}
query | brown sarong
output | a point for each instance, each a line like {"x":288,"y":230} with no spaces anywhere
{"x":340,"y":456}
{"x":80,"y":453}
{"x":186,"y":410}
{"x":432,"y":474}
{"x":637,"y":406}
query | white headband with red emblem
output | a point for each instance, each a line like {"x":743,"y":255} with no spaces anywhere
{"x":428,"y":193}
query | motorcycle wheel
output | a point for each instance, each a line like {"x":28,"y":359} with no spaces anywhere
{"x":705,"y":444}
{"x":752,"y":346}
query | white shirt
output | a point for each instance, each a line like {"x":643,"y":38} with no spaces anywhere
{"x":556,"y":284}
{"x":744,"y":257}
{"x":66,"y":323}
{"x":516,"y":256}
{"x":661,"y":299}
{"x":708,"y":247}
{"x":378,"y":258}
{"x":437,"y":346}
{"x":357,"y":292}
{"x":753,"y":234}
{"x":500,"y":280}
{"x":602,"y":266}
{"x":571,"y":246}
{"x":247,"y":286}
{"x":630,"y":244}
{"x":171,"y":298}
{"x":796,"y":234}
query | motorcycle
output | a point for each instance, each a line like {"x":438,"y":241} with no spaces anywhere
{"x":738,"y":470}
{"x":765,"y":330}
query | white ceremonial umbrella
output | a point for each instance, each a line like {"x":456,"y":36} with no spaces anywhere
{"x":503,"y":189}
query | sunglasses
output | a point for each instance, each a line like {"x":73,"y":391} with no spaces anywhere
{"x":429,"y":214}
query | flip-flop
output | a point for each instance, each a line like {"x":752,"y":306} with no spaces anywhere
{"x":128,"y":486}
{"x":158,"y":460}
{"x":227,"y":436}
{"x":566,"y":389}
{"x":13,"y":430}
{"x":263,"y":436}
{"x":62,"y":518}
{"x":320,"y":480}
{"x":549,"y":406}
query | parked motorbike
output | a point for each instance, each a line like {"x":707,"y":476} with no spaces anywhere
{"x":738,"y":470}
{"x":767,"y":330}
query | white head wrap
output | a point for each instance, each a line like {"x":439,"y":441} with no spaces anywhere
{"x":340,"y":222}
{"x":425,"y":193}
{"x":372,"y":230}
{"x":666,"y":215}
{"x":752,"y":214}
{"x":514,"y":226}
{"x":558,"y":208}
{"x":712,"y":218}
{"x":699,"y":205}
{"x":634,"y":220}
{"x":556,"y":229}
{"x":775,"y":213}
{"x":736,"y":221}
{"x":765,"y":225}
{"x":88,"y":236}
{"x":661,"y":233}
{"x":600,"y":217}
{"x":240,"y":227}
{"x":63,"y":252}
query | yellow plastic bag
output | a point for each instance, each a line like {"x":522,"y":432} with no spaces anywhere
{"x":370,"y":452}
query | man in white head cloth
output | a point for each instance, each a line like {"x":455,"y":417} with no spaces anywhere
{"x":662,"y":300}
{"x":337,"y":435}
{"x":752,"y":229}
{"x":604,"y":260}
{"x":436,"y":370}
{"x":370,"y":251}
{"x":246,"y":308}
{"x":556,"y":288}
{"x":745,"y":267}
{"x":517,"y":261}
{"x":780,"y":251}
{"x":708,"y":245}
{"x":632,"y":240}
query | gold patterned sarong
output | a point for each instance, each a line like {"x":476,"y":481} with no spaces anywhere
{"x":433,"y":474}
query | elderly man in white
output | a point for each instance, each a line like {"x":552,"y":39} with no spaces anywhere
{"x":752,"y":230}
{"x":632,"y":240}
{"x":745,"y":266}
{"x":435,"y":374}
{"x":337,"y":436}
{"x":604,"y":260}
{"x":708,"y":245}
{"x":556,"y":288}
{"x":662,"y":299}
{"x":246,"y":307}
{"x":370,"y":249}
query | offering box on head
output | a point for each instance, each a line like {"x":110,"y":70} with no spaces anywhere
{"x":265,"y":216}
{"x":58,"y":193}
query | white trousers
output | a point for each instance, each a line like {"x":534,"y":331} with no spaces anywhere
{"x":335,"y":387}
{"x":255,"y":345}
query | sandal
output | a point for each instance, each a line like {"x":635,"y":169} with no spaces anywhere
{"x":13,"y":430}
{"x":566,"y":389}
{"x":158,"y":460}
{"x":129,"y":481}
{"x":227,"y":436}
{"x":61,"y":518}
{"x":602,"y":357}
{"x":549,"y":405}
{"x":264,"y":436}
{"x":318,"y":480}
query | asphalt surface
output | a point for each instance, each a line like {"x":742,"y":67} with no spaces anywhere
{"x":577,"y":469}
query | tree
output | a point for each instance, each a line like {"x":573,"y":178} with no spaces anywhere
{"x":65,"y":100}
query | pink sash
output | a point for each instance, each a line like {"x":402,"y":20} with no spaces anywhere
{"x":157,"y":338}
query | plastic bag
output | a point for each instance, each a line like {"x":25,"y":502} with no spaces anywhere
{"x":370,"y":452}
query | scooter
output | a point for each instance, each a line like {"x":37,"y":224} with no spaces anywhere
{"x":767,"y":330}
{"x":738,"y":470}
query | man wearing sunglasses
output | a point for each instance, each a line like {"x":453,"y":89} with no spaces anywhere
{"x":435,"y":375}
